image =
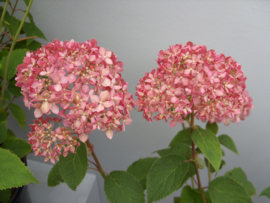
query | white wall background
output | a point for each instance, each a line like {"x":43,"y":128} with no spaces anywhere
{"x":136,"y":31}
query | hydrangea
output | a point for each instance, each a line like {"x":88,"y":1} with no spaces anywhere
{"x":190,"y":79}
{"x":81,"y":83}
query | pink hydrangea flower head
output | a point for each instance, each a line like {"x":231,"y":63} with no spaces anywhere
{"x":80,"y":82}
{"x":190,"y":79}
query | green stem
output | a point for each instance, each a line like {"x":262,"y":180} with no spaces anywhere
{"x":101,"y":171}
{"x":3,"y":14}
{"x":11,"y":49}
{"x":194,"y":158}
{"x":13,"y":10}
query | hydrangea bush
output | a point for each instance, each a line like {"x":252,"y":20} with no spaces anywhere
{"x":81,"y":84}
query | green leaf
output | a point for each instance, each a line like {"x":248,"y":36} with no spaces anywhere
{"x":15,"y":59}
{"x":182,"y":136}
{"x":266,"y":192}
{"x":3,"y":53}
{"x":11,"y":24}
{"x":3,"y":116}
{"x":227,"y":141}
{"x":140,"y":169}
{"x":7,"y":96}
{"x":73,"y":167}
{"x":54,"y":177}
{"x":209,"y":145}
{"x":17,"y":146}
{"x":33,"y":46}
{"x":32,"y":30}
{"x":13,"y":173}
{"x":122,"y":187}
{"x":212,"y":170}
{"x":30,"y":16}
{"x":176,"y":200}
{"x":238,"y":175}
{"x":26,"y":2}
{"x":3,"y":131}
{"x":226,"y":190}
{"x":17,"y":112}
{"x":189,"y":195}
{"x":212,"y":127}
{"x":10,"y":136}
{"x":165,"y":176}
{"x":5,"y":195}
{"x":179,"y":149}
{"x":16,"y":91}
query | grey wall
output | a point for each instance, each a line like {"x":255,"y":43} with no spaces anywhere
{"x":136,"y":31}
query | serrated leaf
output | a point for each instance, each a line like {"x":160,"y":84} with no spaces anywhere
{"x":212,"y":127}
{"x":32,"y":30}
{"x":5,"y":195}
{"x":139,"y":169}
{"x":16,"y":91}
{"x":238,"y":175}
{"x":266,"y":192}
{"x":3,"y":116}
{"x":3,"y":131}
{"x":13,"y":173}
{"x":18,"y":113}
{"x":73,"y":167}
{"x":122,"y":187}
{"x":209,"y":145}
{"x":226,"y":190}
{"x":179,"y":149}
{"x":212,"y":170}
{"x":54,"y":177}
{"x":165,"y":176}
{"x":18,"y":146}
{"x":227,"y":141}
{"x":15,"y":59}
{"x":189,"y":195}
{"x":183,"y":136}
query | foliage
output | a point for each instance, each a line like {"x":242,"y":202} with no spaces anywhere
{"x":17,"y":37}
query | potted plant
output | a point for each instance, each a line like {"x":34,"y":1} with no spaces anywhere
{"x":17,"y":37}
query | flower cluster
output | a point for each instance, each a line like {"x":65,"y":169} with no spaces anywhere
{"x":80,"y":82}
{"x":190,"y":79}
{"x":49,"y":143}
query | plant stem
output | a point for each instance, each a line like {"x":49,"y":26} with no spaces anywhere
{"x":209,"y":172}
{"x":3,"y":14}
{"x":95,"y":158}
{"x":11,"y":49}
{"x":195,"y":163}
{"x":13,"y":10}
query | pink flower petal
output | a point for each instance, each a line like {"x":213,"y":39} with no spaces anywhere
{"x":83,"y":137}
{"x":104,"y":95}
{"x":38,"y":113}
{"x":99,"y":108}
{"x":173,"y":123}
{"x":107,"y":104}
{"x":109,"y":134}
{"x":57,"y":87}
{"x":55,"y":108}
{"x":45,"y":107}
{"x":106,"y":82}
{"x":94,"y":99}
